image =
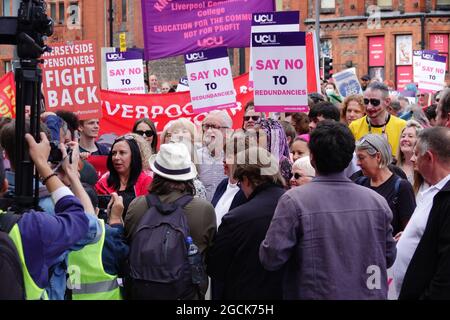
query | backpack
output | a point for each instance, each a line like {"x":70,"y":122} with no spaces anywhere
{"x":11,"y":277}
{"x":158,"y":260}
{"x":361,"y":180}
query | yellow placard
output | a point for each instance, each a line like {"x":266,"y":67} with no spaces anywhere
{"x":123,"y":41}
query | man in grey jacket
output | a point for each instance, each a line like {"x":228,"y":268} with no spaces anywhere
{"x":334,"y":236}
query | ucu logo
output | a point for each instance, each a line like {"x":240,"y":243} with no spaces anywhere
{"x":210,"y":42}
{"x":195,"y":56}
{"x":114,"y":56}
{"x":265,"y":38}
{"x":263,"y":18}
{"x":427,"y":56}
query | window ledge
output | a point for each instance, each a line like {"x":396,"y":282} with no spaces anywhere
{"x":386,"y":8}
{"x":327,"y":10}
{"x":443,"y":7}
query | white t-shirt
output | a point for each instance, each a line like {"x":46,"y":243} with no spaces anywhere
{"x":414,"y":230}
{"x":224,"y":203}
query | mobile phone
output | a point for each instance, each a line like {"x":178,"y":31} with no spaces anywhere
{"x":103,"y":201}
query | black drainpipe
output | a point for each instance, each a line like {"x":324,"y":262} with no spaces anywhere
{"x":422,"y":32}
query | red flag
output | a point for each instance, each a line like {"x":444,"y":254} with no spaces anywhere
{"x":311,"y":64}
{"x":7,"y":96}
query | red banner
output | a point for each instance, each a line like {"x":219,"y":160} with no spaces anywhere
{"x":71,"y":79}
{"x":121,"y":110}
{"x":404,"y":76}
{"x":7,"y":96}
{"x":439,"y":42}
{"x":376,"y":51}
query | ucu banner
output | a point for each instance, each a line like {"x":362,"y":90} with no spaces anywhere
{"x":203,"y":55}
{"x":114,"y":56}
{"x":276,"y":18}
{"x":195,"y":56}
{"x":265,"y":38}
{"x":278,"y":39}
{"x":263,"y":18}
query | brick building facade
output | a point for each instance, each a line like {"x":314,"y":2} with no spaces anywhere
{"x":377,"y":37}
{"x":366,"y":34}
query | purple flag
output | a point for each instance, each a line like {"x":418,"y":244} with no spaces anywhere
{"x":175,"y":27}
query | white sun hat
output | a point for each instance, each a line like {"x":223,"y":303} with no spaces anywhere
{"x":173,"y":162}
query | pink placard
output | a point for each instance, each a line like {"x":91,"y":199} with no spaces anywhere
{"x":439,"y":42}
{"x":376,"y":51}
{"x":404,"y":76}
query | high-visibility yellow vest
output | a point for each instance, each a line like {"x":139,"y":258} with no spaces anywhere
{"x":32,"y":290}
{"x":88,"y":278}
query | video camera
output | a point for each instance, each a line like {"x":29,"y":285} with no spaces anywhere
{"x":28,"y":32}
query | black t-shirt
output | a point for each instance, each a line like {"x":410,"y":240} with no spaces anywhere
{"x":402,"y":203}
{"x":128,"y":195}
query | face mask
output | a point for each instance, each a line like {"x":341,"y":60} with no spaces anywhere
{"x":329,"y":91}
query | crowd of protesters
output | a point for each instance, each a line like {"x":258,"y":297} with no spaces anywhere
{"x":315,"y":205}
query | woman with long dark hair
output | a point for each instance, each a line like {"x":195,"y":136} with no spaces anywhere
{"x":146,"y":128}
{"x":125,"y":175}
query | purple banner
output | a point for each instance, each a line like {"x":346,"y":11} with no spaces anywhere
{"x":175,"y":27}
{"x":210,"y":54}
{"x":278,"y":39}
{"x":281,"y":17}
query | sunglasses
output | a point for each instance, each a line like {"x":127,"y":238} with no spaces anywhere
{"x":374,"y":102}
{"x":298,"y":176}
{"x":254,"y":118}
{"x":207,"y":126}
{"x":125,"y":137}
{"x":147,"y":133}
{"x":370,"y":144}
{"x":420,"y":95}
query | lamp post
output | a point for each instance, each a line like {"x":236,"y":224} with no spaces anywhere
{"x":111,"y":19}
{"x":317,"y":24}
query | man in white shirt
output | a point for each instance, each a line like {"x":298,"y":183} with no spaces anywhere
{"x":422,"y":267}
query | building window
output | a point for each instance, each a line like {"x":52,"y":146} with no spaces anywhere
{"x":385,"y":4}
{"x":10,"y":8}
{"x":53,"y":11}
{"x":403,"y":61}
{"x":8,"y":66}
{"x":327,"y":6}
{"x":439,"y":42}
{"x":124,"y":10}
{"x":61,"y":12}
{"x":74,"y":16}
{"x":6,"y":8}
{"x":376,"y":58}
{"x":443,"y":4}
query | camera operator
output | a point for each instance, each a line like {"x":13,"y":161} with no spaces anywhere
{"x":43,"y":240}
{"x":8,"y":140}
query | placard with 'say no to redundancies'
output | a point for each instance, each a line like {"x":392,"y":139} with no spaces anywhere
{"x":279,"y":61}
{"x":210,"y":79}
